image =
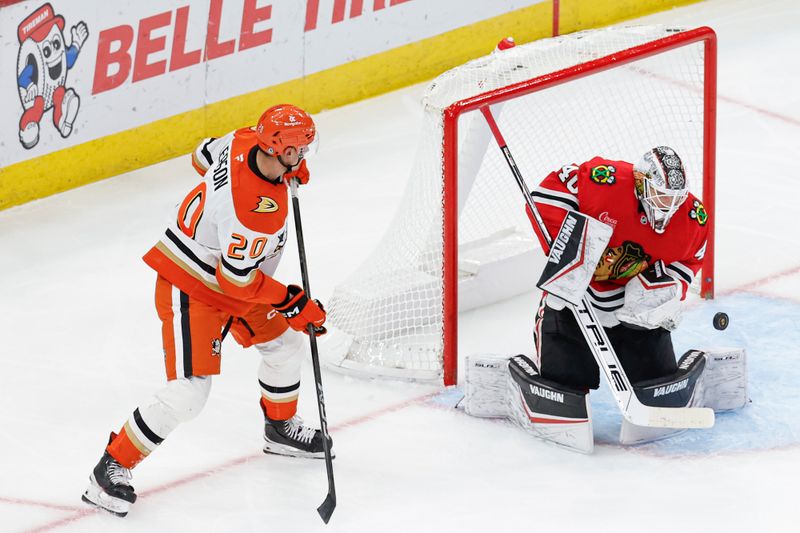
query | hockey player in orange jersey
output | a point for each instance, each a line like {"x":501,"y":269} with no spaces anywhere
{"x":214,"y":267}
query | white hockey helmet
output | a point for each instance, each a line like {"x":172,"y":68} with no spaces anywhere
{"x":660,"y":185}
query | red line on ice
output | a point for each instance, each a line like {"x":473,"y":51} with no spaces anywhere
{"x":62,"y":522}
{"x":21,"y":501}
{"x":762,"y":281}
{"x":730,"y":100}
{"x":772,"y":114}
{"x":779,"y":297}
{"x":80,"y":513}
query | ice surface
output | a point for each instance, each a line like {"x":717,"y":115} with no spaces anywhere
{"x":81,"y":347}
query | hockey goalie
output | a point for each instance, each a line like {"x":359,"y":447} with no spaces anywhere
{"x":629,"y":238}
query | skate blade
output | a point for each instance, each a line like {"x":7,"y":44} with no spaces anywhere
{"x":115,"y":513}
{"x":274,"y":448}
{"x":95,"y":495}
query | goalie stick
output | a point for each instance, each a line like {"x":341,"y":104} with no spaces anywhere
{"x":632,"y":409}
{"x":325,"y":510}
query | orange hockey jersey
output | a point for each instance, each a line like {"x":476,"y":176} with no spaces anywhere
{"x":225,"y":239}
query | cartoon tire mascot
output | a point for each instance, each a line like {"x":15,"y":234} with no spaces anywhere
{"x":42,"y":65}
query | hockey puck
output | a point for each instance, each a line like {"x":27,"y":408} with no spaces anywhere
{"x":721,"y":321}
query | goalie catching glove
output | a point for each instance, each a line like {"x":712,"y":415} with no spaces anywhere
{"x":300,"y":311}
{"x":652,"y":300}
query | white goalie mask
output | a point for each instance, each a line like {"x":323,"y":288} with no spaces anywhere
{"x":660,"y":185}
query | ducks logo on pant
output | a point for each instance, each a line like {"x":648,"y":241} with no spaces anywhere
{"x":42,"y":64}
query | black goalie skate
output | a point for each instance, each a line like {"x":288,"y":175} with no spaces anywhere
{"x":291,"y":437}
{"x":109,"y":487}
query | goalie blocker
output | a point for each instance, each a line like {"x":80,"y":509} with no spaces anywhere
{"x":573,"y":257}
{"x":502,"y":387}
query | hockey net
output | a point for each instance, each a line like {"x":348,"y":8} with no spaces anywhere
{"x":461,"y":238}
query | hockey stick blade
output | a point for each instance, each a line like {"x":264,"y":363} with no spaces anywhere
{"x":326,"y":509}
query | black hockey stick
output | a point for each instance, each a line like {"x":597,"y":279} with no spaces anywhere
{"x":325,"y":510}
{"x":632,"y":409}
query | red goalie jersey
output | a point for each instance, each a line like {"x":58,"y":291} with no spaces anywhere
{"x":604,"y":189}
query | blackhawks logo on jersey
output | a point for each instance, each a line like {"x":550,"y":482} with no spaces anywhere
{"x":604,"y":175}
{"x":698,"y":212}
{"x":624,"y":261}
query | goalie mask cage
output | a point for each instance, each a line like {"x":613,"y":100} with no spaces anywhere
{"x":461,"y":238}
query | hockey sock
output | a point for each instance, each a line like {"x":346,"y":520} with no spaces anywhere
{"x":278,"y":410}
{"x":123,"y":450}
{"x":135,"y":441}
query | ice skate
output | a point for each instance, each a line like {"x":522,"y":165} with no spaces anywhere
{"x":291,"y":437}
{"x":109,"y":487}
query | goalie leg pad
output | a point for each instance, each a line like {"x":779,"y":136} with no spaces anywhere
{"x":725,"y":379}
{"x":486,"y":390}
{"x":675,"y":390}
{"x":547,"y":410}
{"x":681,"y":389}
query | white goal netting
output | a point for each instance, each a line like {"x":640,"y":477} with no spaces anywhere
{"x":388,"y":317}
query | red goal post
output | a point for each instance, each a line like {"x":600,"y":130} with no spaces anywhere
{"x":460,"y":239}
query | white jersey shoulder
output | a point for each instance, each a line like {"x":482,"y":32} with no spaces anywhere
{"x":207,"y":229}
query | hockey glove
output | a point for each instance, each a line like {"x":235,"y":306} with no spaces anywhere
{"x":299,"y":311}
{"x":300,"y":172}
{"x":652,"y":300}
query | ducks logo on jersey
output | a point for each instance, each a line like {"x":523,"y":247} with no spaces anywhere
{"x":266,"y":205}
